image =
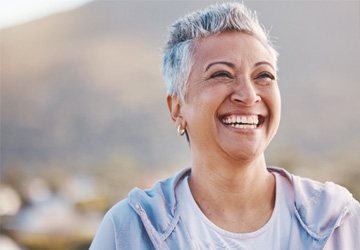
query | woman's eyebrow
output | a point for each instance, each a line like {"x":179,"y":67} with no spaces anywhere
{"x":229,"y":64}
{"x":264,"y":62}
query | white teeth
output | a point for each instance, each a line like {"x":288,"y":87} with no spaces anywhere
{"x":233,"y":119}
{"x":244,"y":126}
{"x":239,"y":121}
{"x":250,"y":120}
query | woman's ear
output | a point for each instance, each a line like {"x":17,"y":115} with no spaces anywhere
{"x":174,"y":105}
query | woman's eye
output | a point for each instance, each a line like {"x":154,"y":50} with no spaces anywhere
{"x":265,"y":75}
{"x":222,"y":74}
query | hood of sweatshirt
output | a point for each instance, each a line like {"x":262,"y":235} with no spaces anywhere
{"x":319,"y":207}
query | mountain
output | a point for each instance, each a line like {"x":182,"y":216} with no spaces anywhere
{"x":81,"y":86}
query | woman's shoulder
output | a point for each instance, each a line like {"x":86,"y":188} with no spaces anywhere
{"x":321,"y":208}
{"x":121,"y":211}
{"x":161,"y":193}
{"x":158,"y":203}
{"x":145,"y":214}
{"x":309,"y":191}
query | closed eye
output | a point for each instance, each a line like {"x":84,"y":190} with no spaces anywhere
{"x":265,"y":75}
{"x":223,"y":74}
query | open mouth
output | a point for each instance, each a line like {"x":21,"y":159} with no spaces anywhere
{"x":243,"y":121}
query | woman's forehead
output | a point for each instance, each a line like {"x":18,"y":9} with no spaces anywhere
{"x":234,"y":47}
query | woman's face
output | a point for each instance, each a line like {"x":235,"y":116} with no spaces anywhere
{"x":232,"y":102}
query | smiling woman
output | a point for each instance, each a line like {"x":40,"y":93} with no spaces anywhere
{"x":232,"y":82}
{"x":220,"y":69}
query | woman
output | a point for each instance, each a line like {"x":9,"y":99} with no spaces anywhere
{"x":221,"y":73}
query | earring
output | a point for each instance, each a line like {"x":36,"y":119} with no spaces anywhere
{"x":181,"y":131}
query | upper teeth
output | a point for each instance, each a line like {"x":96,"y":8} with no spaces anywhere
{"x":237,"y":119}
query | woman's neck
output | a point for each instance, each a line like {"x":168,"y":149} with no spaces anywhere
{"x":236,"y":197}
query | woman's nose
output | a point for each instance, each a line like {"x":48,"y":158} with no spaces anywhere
{"x":245,"y":93}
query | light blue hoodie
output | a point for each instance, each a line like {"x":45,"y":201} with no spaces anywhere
{"x":327,"y":215}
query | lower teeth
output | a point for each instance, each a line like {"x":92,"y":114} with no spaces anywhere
{"x":244,"y":126}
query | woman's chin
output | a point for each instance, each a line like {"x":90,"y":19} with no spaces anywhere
{"x":244,"y":154}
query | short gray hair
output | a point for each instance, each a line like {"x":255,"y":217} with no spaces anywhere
{"x":184,"y":33}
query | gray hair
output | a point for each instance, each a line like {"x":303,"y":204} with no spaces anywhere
{"x":184,"y":33}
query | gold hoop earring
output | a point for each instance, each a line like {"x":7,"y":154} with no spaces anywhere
{"x":181,"y":131}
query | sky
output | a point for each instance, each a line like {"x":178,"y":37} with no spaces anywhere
{"x":14,"y":12}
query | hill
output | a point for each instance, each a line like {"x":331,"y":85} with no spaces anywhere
{"x":82,"y":86}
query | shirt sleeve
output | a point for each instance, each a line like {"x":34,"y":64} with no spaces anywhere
{"x":105,"y":236}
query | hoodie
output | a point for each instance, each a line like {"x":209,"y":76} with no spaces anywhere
{"x":326,"y":215}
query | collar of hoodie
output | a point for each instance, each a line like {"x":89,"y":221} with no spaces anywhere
{"x":319,"y":207}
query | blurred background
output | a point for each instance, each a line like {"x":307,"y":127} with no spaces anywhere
{"x":84,"y":117}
